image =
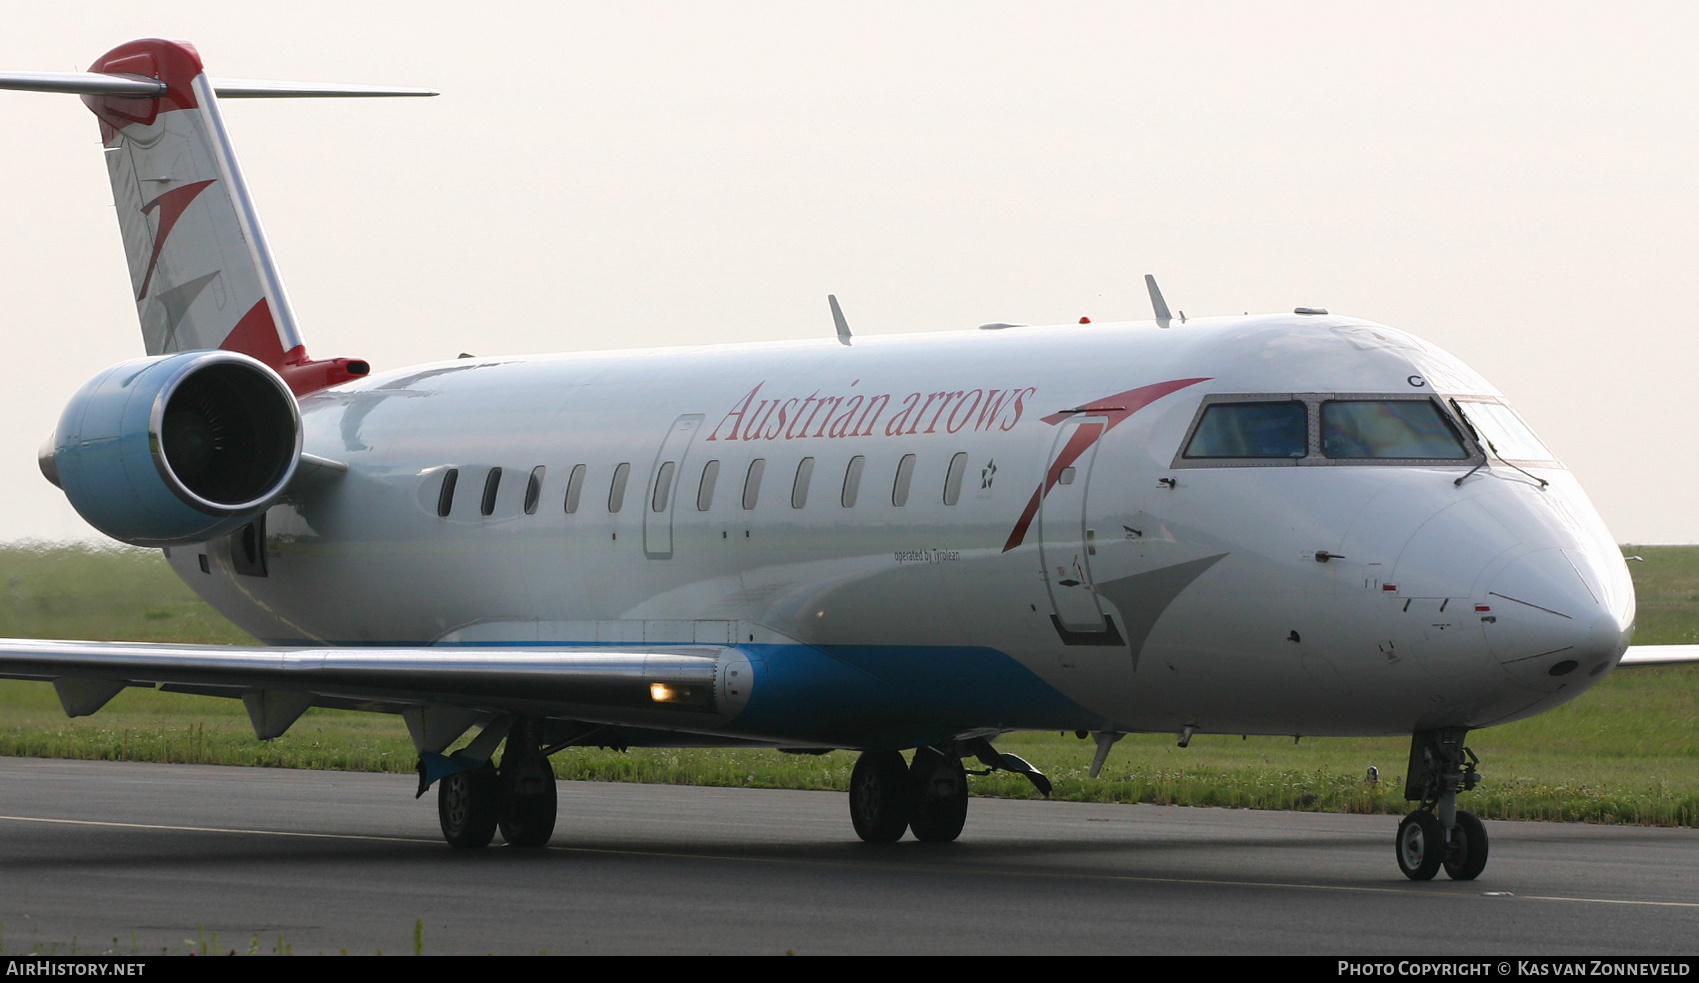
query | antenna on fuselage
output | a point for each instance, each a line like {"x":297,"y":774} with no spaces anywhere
{"x":1160,"y":306}
{"x":838,"y":319}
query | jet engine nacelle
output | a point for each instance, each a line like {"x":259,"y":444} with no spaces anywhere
{"x":176,"y":449}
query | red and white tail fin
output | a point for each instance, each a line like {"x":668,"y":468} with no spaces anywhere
{"x":201,"y":271}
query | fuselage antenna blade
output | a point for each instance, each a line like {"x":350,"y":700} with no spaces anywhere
{"x":838,"y":319}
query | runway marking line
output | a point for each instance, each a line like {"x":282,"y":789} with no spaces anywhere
{"x":217,"y":829}
{"x":924,"y":868}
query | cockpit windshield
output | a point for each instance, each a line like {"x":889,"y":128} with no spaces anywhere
{"x":1234,"y":430}
{"x":1406,"y":429}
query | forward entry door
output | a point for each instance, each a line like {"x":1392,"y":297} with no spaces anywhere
{"x":1065,"y":543}
{"x":664,"y":480}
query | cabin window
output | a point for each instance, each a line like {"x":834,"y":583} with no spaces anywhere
{"x":799,"y":487}
{"x":663,"y":487}
{"x":752,"y":482}
{"x":953,"y":479}
{"x":1405,"y":429}
{"x":445,"y":498}
{"x":905,"y":477}
{"x":492,"y":484}
{"x":616,"y":490}
{"x":1265,"y":429}
{"x":574,"y":488}
{"x":534,"y":490}
{"x":705,"y":491}
{"x":852,"y":480}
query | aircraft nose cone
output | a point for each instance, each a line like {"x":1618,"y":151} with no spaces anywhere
{"x":1551,"y":621}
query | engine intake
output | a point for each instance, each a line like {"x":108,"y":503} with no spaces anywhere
{"x":176,"y":449}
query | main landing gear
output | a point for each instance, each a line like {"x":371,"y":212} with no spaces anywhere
{"x":518,"y":797}
{"x":1438,"y":834}
{"x":927,"y":796}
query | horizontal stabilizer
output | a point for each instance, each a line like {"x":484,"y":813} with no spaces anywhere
{"x":269,"y":89}
{"x":83,"y":83}
{"x":102,"y":84}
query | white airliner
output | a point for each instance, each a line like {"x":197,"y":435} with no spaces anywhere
{"x":1296,"y":524}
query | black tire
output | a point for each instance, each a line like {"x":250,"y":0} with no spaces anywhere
{"x":1468,"y":854}
{"x":1420,"y":846}
{"x":528,"y":808}
{"x":940,"y":796}
{"x":881,"y":799}
{"x":468,"y":806}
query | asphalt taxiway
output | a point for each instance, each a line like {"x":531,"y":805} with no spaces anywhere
{"x":157,"y":855}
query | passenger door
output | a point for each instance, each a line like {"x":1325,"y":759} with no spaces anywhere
{"x":1065,"y":543}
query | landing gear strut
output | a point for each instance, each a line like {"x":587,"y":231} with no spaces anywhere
{"x":1438,"y":834}
{"x":518,"y":798}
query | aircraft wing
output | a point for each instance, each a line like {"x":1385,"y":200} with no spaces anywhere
{"x":670,"y":687}
{"x":1660,"y":655}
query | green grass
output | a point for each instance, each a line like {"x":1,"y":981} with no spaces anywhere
{"x":52,"y":591}
{"x":1626,"y":751}
{"x":1667,"y":588}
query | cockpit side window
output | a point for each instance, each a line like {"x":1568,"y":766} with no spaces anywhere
{"x":1403,"y":429}
{"x":1510,"y":437}
{"x":1251,"y":430}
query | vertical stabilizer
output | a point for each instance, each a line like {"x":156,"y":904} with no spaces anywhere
{"x":200,"y":269}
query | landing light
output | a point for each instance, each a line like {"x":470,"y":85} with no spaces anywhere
{"x":676,"y":694}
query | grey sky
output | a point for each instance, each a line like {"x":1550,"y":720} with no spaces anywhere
{"x":1513,"y":182}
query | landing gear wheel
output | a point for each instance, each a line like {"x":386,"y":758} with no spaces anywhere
{"x":468,"y":805}
{"x":1420,"y":845}
{"x":940,"y":796}
{"x":881,"y":799}
{"x":1468,"y":854}
{"x":528,"y":809}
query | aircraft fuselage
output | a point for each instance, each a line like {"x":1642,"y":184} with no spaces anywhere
{"x":1048,"y":558}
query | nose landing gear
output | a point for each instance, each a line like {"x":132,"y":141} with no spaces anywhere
{"x":1438,"y":834}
